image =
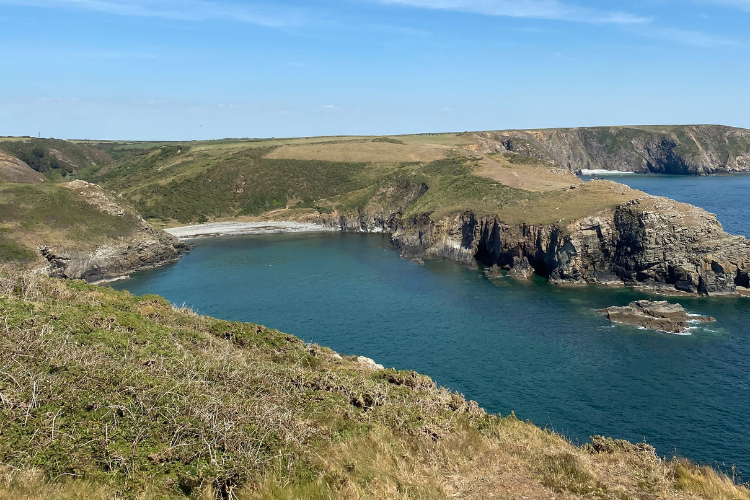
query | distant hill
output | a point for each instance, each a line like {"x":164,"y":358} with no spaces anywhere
{"x":54,"y":158}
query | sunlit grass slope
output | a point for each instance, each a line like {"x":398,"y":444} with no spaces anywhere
{"x":108,"y":395}
{"x":33,"y":215}
{"x":183,"y":184}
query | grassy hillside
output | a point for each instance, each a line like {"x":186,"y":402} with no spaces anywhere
{"x":57,"y":159}
{"x":187,"y":184}
{"x":52,"y":214}
{"x":492,"y":173}
{"x":107,"y":395}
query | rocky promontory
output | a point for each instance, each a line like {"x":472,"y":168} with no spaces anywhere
{"x":651,"y":315}
{"x":681,"y":150}
{"x":144,"y":248}
{"x":648,"y":241}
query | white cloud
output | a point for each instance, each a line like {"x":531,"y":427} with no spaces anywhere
{"x":691,"y":38}
{"x":536,"y":9}
{"x":183,"y":10}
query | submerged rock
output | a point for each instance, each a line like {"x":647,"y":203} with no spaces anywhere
{"x":654,"y":315}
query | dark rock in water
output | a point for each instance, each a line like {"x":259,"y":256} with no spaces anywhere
{"x":521,"y":269}
{"x":494,"y":272}
{"x":659,"y":315}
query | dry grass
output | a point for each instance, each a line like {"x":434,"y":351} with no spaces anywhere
{"x":529,"y":177}
{"x":106,"y":395}
{"x":14,"y":170}
{"x":362,"y":152}
{"x":566,"y":206}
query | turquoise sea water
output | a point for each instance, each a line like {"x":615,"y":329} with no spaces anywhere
{"x":531,"y":348}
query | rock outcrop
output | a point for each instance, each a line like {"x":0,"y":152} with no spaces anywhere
{"x":660,"y":315}
{"x":691,"y":150}
{"x":650,"y":242}
{"x":145,"y":248}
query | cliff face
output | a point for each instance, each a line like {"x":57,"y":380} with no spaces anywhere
{"x":147,"y":249}
{"x":144,"y":248}
{"x":684,"y":150}
{"x":651,"y":242}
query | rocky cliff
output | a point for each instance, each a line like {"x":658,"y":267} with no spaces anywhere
{"x":649,"y":241}
{"x":143,"y":248}
{"x":684,"y":150}
{"x":147,"y":249}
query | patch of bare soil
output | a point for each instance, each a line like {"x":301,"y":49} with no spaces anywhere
{"x":14,"y":170}
{"x":94,"y":195}
{"x":365,"y":152}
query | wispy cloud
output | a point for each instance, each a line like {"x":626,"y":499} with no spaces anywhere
{"x":691,"y":38}
{"x":183,"y":10}
{"x":533,"y":9}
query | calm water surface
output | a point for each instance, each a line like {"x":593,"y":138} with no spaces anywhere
{"x":531,"y":348}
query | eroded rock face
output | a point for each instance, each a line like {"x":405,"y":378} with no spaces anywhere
{"x":661,"y":316}
{"x":146,"y":248}
{"x":521,"y":269}
{"x":651,"y":242}
{"x":691,"y":150}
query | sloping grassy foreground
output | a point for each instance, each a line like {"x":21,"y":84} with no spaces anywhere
{"x":107,"y":395}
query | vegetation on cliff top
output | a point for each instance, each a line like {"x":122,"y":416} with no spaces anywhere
{"x":107,"y":395}
{"x":34,"y":215}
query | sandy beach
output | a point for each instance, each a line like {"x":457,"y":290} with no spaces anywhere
{"x":214,"y":229}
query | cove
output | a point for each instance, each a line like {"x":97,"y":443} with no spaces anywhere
{"x":532,"y":348}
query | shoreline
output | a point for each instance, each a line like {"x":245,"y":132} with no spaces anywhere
{"x":216,"y":229}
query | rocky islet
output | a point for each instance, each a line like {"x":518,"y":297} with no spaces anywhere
{"x":654,"y":315}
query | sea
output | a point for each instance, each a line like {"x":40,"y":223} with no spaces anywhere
{"x":531,"y":348}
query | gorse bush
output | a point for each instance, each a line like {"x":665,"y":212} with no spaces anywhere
{"x":50,"y":156}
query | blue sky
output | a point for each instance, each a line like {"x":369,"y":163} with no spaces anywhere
{"x":205,"y":69}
